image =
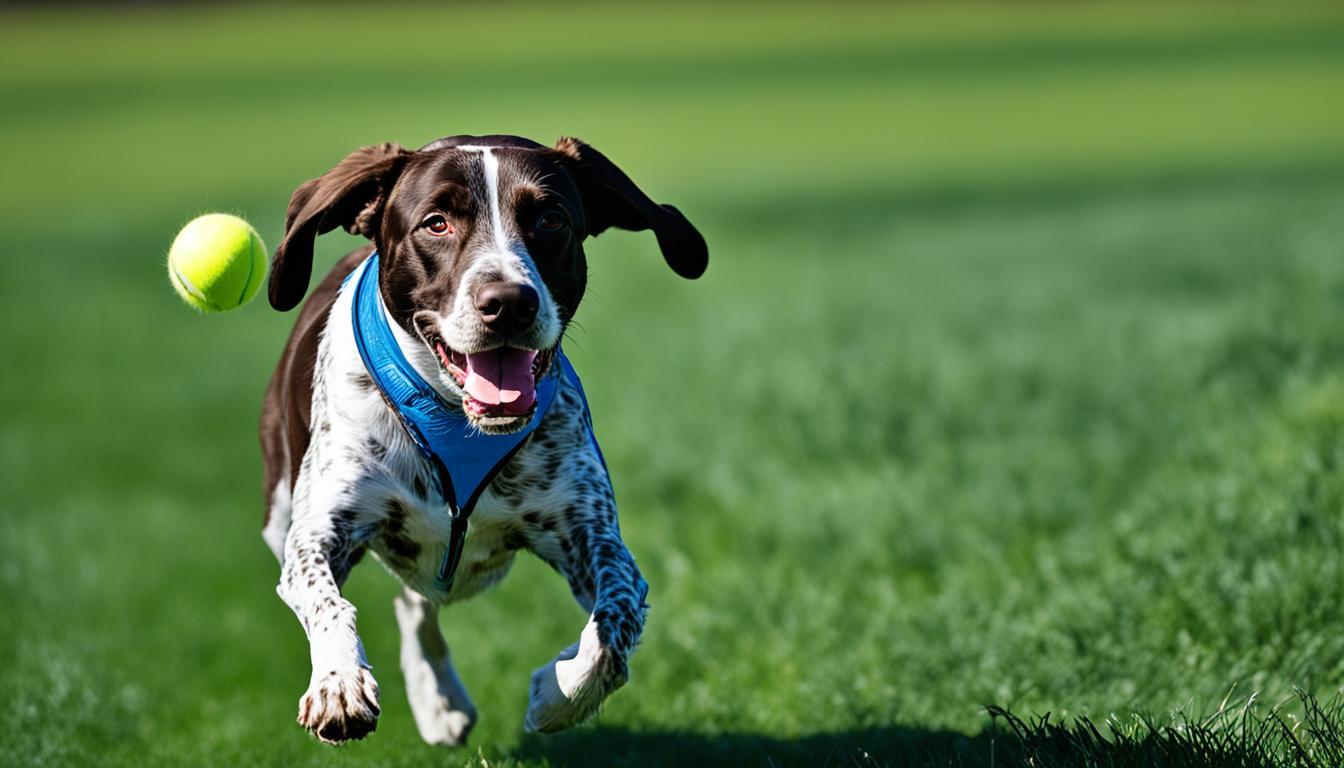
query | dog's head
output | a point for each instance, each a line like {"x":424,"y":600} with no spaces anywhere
{"x":481,"y":243}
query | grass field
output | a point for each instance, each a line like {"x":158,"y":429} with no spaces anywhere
{"x":1017,"y":378}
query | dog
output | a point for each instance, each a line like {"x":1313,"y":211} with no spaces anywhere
{"x":475,"y":269}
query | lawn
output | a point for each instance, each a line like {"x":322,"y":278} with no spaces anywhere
{"x":1017,"y":378}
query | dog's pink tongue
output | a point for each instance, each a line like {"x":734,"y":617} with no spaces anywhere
{"x":502,"y":376}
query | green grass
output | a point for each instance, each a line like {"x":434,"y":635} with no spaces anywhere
{"x":1017,"y":379}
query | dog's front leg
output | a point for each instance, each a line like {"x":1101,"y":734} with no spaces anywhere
{"x":342,"y":698}
{"x":605,"y":580}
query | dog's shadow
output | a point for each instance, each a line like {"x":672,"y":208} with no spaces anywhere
{"x":999,"y":744}
{"x":891,"y":745}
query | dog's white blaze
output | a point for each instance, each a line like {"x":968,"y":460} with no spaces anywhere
{"x":490,"y":170}
{"x":490,"y":164}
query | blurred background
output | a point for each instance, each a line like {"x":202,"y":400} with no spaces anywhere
{"x":1016,"y":378}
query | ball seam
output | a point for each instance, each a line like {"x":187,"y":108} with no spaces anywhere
{"x":191,"y":289}
{"x":251,"y":265}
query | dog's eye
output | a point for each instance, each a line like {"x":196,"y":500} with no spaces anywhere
{"x":551,"y":221}
{"x":437,"y":224}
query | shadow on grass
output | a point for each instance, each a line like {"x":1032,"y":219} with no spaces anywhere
{"x":1311,"y":737}
{"x":891,"y":745}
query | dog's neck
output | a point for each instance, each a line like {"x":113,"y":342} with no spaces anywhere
{"x":422,"y":359}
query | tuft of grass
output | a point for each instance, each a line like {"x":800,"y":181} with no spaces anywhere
{"x":1231,"y":737}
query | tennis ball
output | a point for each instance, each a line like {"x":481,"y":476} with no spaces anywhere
{"x":217,"y":262}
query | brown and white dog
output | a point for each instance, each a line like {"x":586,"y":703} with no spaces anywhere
{"x":481,"y":247}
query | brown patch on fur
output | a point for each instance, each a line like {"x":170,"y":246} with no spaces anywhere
{"x":350,"y":196}
{"x":525,"y":192}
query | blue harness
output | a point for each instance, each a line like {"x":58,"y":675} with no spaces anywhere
{"x":465,"y":460}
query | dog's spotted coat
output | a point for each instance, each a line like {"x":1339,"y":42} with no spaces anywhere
{"x":342,"y":476}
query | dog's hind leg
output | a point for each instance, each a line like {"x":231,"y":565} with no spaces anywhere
{"x":443,"y":711}
{"x":277,"y":520}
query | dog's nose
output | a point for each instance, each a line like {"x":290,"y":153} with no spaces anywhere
{"x":507,"y":308}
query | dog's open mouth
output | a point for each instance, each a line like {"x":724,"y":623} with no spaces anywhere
{"x":497,"y":383}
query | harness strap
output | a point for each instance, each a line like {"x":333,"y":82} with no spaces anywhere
{"x":465,"y":460}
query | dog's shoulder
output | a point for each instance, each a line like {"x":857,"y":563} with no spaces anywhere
{"x":286,"y":410}
{"x":560,"y":471}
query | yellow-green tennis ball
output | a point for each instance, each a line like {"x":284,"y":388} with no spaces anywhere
{"x":217,"y":262}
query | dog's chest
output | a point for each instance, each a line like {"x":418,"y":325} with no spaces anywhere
{"x":412,"y":542}
{"x":533,"y":503}
{"x":554,"y":482}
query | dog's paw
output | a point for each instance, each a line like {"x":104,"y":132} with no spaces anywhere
{"x":443,"y":713}
{"x":340,"y":706}
{"x":573,"y":686}
{"x":445,"y":727}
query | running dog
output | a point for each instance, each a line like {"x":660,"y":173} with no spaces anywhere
{"x":423,"y":410}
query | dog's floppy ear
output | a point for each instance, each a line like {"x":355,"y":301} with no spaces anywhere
{"x":351,"y":195}
{"x":611,"y":199}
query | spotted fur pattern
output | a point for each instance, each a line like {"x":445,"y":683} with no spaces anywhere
{"x":451,"y":220}
{"x":364,"y":486}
